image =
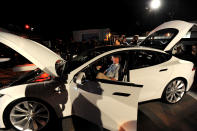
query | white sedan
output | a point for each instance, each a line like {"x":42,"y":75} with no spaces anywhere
{"x":73,"y":88}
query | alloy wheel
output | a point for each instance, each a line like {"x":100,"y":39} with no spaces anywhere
{"x":29,"y":116}
{"x":175,"y":91}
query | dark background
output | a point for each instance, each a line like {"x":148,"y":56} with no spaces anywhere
{"x":130,"y":17}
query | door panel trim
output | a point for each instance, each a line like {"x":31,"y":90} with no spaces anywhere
{"x":119,"y":83}
{"x":121,"y":94}
{"x":163,"y":70}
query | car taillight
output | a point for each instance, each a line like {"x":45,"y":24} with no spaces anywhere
{"x":194,"y":68}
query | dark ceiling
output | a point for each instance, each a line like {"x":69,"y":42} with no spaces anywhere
{"x":124,"y":16}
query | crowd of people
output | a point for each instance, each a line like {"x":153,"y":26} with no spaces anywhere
{"x":68,"y":49}
{"x":71,"y":48}
{"x":123,"y":41}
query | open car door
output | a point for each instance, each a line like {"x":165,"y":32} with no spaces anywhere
{"x":109,"y":104}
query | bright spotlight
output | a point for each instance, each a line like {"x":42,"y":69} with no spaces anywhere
{"x":155,"y":4}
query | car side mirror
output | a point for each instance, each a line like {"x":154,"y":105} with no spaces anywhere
{"x":80,"y":78}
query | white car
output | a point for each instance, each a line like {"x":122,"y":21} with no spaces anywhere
{"x":74,"y":90}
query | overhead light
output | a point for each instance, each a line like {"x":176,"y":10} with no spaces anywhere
{"x":155,"y":4}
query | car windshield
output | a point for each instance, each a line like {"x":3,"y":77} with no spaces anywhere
{"x":160,"y":39}
{"x":88,"y":55}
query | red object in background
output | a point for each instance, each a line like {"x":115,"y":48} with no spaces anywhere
{"x":43,"y":77}
{"x":27,"y":26}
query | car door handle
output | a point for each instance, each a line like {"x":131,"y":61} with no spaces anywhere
{"x":163,"y":70}
{"x":121,"y":94}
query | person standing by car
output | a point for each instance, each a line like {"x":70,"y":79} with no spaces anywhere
{"x":117,"y":42}
{"x":135,"y":40}
{"x":194,"y":60}
{"x":194,"y":50}
{"x":193,"y":55}
{"x":124,"y":41}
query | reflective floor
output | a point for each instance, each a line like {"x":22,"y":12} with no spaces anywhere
{"x":160,"y":116}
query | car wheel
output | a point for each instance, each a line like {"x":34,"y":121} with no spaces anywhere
{"x":29,"y":115}
{"x":174,"y":91}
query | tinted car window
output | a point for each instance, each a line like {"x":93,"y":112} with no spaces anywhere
{"x":88,"y":55}
{"x":162,"y":57}
{"x":142,"y":58}
{"x":160,"y":39}
{"x":183,"y":49}
{"x":104,"y":63}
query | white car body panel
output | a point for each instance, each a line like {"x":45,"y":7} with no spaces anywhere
{"x":111,"y":122}
{"x":41,"y":56}
{"x":102,"y":109}
{"x":184,"y":69}
{"x":4,"y":102}
{"x":107,"y":123}
{"x":108,"y":106}
{"x":28,"y":90}
{"x":155,"y":81}
{"x":152,"y":79}
{"x":71,"y":75}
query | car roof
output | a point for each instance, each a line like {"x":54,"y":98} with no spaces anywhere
{"x":111,"y":48}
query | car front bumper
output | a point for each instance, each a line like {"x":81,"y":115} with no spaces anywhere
{"x":4,"y":101}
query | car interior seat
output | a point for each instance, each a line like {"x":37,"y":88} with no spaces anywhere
{"x":122,"y":70}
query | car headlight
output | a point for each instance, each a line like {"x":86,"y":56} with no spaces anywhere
{"x":1,"y":95}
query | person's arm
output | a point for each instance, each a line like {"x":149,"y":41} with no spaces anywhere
{"x":113,"y":79}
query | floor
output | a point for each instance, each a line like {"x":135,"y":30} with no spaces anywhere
{"x":172,"y":117}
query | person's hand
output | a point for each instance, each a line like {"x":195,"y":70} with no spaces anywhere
{"x":113,"y":79}
{"x":98,"y":67}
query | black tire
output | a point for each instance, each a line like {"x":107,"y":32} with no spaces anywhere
{"x":52,"y":115}
{"x":172,"y":94}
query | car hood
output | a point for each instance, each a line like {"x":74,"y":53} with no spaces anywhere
{"x":182,"y":27}
{"x":41,"y":56}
